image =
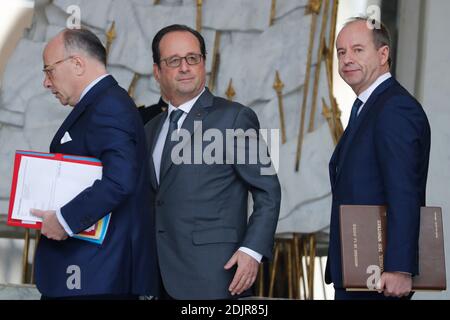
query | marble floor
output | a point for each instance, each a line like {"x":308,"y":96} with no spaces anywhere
{"x":19,"y":292}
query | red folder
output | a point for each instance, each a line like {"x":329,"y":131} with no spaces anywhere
{"x":94,"y":234}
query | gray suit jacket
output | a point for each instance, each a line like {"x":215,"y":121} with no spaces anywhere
{"x":201,"y":209}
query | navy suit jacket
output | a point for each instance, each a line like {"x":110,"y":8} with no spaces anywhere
{"x":106,"y":125}
{"x":201,"y":209}
{"x":383,"y":160}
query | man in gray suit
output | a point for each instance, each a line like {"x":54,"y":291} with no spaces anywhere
{"x":207,"y":246}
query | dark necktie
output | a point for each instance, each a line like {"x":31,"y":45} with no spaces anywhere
{"x":354,"y":113}
{"x":173,"y":126}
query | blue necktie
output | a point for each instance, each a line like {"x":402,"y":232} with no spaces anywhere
{"x":175,"y":115}
{"x":354,"y":114}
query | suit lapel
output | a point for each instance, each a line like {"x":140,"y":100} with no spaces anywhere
{"x":68,"y":122}
{"x":345,"y":142}
{"x":79,"y":109}
{"x":155,"y":131}
{"x":335,"y":157}
{"x":191,"y":124}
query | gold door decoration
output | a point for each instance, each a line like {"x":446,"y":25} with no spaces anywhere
{"x":110,"y":36}
{"x":278,"y":86}
{"x":230,"y":93}
{"x":198,"y":21}
{"x":215,"y":62}
{"x":296,"y":253}
{"x":336,"y":127}
{"x":273,"y":8}
{"x":324,"y":55}
{"x":321,"y":54}
{"x":313,"y":9}
{"x":132,"y":87}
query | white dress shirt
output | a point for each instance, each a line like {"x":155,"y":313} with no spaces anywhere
{"x":365,"y":95}
{"x":159,"y":146}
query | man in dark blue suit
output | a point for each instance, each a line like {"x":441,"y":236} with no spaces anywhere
{"x":104,"y":124}
{"x":381,"y":159}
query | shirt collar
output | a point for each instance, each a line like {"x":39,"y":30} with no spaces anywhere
{"x":187,"y":106}
{"x":91,"y":85}
{"x":364,"y":96}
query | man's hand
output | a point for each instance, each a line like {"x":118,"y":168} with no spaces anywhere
{"x":245,"y":276}
{"x":395,"y":284}
{"x":50,"y":224}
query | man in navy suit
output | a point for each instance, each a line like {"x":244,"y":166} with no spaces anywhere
{"x":207,"y":246}
{"x":104,"y":123}
{"x":381,"y":159}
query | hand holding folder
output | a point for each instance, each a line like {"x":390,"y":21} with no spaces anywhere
{"x":47,"y":181}
{"x":363,"y":245}
{"x":51,"y":227}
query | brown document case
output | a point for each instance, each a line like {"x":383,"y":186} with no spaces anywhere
{"x":363,"y":241}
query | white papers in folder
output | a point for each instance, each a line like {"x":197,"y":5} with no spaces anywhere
{"x":49,"y":184}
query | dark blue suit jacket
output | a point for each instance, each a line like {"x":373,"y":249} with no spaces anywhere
{"x":106,"y":125}
{"x":383,"y":160}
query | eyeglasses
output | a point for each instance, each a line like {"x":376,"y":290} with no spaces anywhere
{"x":48,"y":70}
{"x":191,"y":59}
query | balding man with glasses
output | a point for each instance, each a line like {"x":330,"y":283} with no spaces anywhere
{"x":105,"y":124}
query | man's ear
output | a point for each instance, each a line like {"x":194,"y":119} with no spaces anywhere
{"x":383,"y":53}
{"x":156,"y":72}
{"x":79,"y":65}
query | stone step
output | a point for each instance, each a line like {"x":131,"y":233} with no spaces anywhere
{"x":19,"y":292}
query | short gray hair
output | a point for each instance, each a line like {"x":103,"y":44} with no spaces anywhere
{"x":86,"y":41}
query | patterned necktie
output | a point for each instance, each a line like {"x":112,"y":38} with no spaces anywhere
{"x":354,"y":114}
{"x":175,"y":115}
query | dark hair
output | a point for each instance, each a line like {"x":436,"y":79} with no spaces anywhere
{"x":85,"y":40}
{"x":175,"y":27}
{"x":381,"y":34}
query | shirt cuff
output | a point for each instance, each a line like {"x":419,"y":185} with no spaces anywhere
{"x":63,"y":223}
{"x":255,"y":255}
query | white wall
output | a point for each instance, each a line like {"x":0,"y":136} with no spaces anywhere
{"x":15,"y":15}
{"x":410,"y":29}
{"x":433,"y":86}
